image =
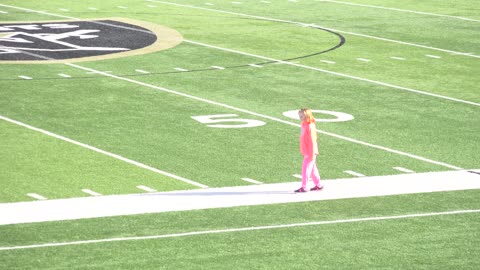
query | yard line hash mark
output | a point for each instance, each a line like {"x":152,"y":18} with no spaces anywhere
{"x":327,"y":61}
{"x":136,"y":163}
{"x":142,"y":71}
{"x":363,"y":60}
{"x":25,"y":77}
{"x":91,"y":192}
{"x":403,"y":170}
{"x":433,"y":56}
{"x":181,"y":69}
{"x":36,"y":196}
{"x":64,"y":75}
{"x":354,"y":173}
{"x":244,"y":229}
{"x":252,"y":181}
{"x":397,"y":58}
{"x":285,"y":62}
{"x":147,"y":189}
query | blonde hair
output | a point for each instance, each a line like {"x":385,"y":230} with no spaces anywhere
{"x":308,"y":115}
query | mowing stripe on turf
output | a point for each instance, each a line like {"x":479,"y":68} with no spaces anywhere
{"x":136,"y":163}
{"x":286,"y":62}
{"x":337,"y":73}
{"x":313,"y":25}
{"x":257,"y":228}
{"x":248,"y":112}
{"x":401,"y":10}
{"x":266,"y":117}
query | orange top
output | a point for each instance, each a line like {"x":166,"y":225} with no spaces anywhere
{"x":308,"y":139}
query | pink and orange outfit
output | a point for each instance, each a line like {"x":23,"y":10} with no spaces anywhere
{"x":309,"y":150}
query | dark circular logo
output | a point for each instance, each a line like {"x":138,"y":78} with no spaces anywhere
{"x":81,"y":40}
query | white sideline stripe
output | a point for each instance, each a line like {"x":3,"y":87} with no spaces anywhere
{"x":397,"y":58}
{"x":91,"y":192}
{"x":302,"y":24}
{"x":337,"y":74}
{"x":403,"y":170}
{"x":354,"y":173}
{"x":25,"y":77}
{"x":294,"y":64}
{"x":226,"y":197}
{"x":36,"y":196}
{"x":401,"y":10}
{"x":142,"y":71}
{"x":244,"y":229}
{"x":64,"y":75}
{"x":181,"y":69}
{"x":136,"y":163}
{"x":363,"y":59}
{"x":252,"y":181}
{"x":145,"y":188}
{"x":433,"y":56}
{"x":267,"y":117}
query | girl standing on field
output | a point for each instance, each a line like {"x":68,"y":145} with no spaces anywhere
{"x":309,"y":150}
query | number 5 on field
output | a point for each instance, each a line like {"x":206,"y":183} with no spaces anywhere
{"x":217,"y":118}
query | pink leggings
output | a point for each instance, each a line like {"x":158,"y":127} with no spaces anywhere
{"x":309,"y":169}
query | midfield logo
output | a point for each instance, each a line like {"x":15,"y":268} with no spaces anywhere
{"x":80,"y":40}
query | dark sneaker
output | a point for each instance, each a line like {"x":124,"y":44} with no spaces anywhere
{"x":300,"y":190}
{"x":316,"y":188}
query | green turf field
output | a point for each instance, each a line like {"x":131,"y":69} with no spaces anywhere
{"x":404,"y":71}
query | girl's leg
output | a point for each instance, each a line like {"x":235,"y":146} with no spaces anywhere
{"x":315,"y":174}
{"x":307,"y":170}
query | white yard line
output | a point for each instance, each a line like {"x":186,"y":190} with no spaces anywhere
{"x":265,"y":116}
{"x":243,"y":229}
{"x":249,"y":195}
{"x":290,"y":63}
{"x":302,"y":24}
{"x":136,"y":163}
{"x":401,"y":10}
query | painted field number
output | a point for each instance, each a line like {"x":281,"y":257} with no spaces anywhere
{"x":227,"y":120}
